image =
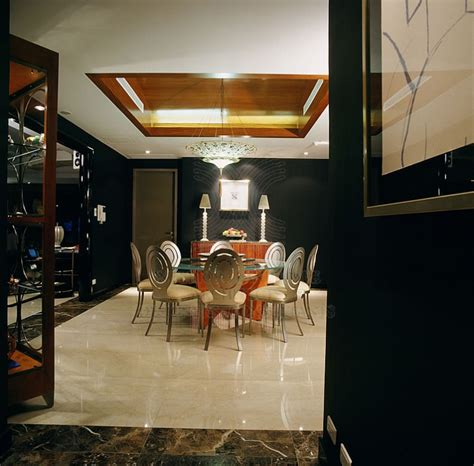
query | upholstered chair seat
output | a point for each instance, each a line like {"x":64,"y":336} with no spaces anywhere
{"x":239,"y":298}
{"x":183,"y":278}
{"x":145,"y":286}
{"x":178,"y":293}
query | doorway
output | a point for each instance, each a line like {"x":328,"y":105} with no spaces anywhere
{"x":154,"y":207}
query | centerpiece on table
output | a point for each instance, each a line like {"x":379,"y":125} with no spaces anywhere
{"x":234,"y":233}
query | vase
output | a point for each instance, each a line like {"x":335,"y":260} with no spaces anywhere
{"x":58,"y":235}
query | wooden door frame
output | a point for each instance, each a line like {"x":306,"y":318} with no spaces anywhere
{"x":174,"y":171}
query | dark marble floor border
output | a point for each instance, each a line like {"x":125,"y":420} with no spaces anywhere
{"x":58,"y":445}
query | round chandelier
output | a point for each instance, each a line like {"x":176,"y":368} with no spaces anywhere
{"x":221,"y":152}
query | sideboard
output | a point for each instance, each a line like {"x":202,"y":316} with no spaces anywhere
{"x":253,"y":249}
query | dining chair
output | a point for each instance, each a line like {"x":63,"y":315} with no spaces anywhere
{"x":160,"y":273}
{"x":143,"y":286}
{"x":275,"y":255}
{"x":304,"y":288}
{"x":224,"y":274}
{"x":279,"y":296}
{"x":220,"y":245}
{"x":174,"y":254}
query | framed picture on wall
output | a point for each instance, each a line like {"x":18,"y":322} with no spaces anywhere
{"x":234,"y":194}
{"x":418,"y":112}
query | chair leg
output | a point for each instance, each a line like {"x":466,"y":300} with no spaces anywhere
{"x":209,"y":327}
{"x":243,"y":321}
{"x":151,"y":321}
{"x":251,"y":316}
{"x":154,"y":304}
{"x":139,"y":303}
{"x":170,"y":308}
{"x":273,"y":315}
{"x":308,"y":308}
{"x":281,"y":316}
{"x":237,"y":332}
{"x":297,"y":320}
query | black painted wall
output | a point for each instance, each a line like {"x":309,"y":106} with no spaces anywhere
{"x":111,"y":186}
{"x":298,"y":196}
{"x":400,"y":301}
{"x":4,"y":99}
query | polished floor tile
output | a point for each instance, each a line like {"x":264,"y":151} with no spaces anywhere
{"x":109,"y":373}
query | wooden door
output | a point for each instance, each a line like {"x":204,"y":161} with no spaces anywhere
{"x":154,"y":208}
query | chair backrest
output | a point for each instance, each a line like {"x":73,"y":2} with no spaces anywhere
{"x":293,"y":271}
{"x":220,"y":245}
{"x":224,"y":274}
{"x":311,"y":264}
{"x":160,"y":271}
{"x":275,"y":254}
{"x":137,"y":264}
{"x":172,"y":251}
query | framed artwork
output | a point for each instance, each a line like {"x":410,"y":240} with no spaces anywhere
{"x":418,"y":106}
{"x":234,"y":194}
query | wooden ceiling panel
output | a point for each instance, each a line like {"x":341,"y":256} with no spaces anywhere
{"x":187,"y":104}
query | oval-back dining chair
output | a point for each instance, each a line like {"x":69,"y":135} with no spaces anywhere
{"x":304,"y":287}
{"x":174,"y":254}
{"x":160,"y":273}
{"x":224,"y":274}
{"x":143,"y":286}
{"x":278,"y":296}
{"x":274,"y":256}
{"x":220,"y":245}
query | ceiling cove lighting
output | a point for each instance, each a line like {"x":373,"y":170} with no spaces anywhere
{"x":312,"y":96}
{"x":131,"y":93}
{"x":223,"y":151}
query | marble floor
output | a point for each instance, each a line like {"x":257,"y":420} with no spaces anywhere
{"x":132,"y":446}
{"x":109,"y":374}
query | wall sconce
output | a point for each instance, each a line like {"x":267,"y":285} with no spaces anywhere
{"x":263,"y":205}
{"x":204,"y":204}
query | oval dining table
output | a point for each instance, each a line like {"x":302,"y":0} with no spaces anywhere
{"x":256,"y":275}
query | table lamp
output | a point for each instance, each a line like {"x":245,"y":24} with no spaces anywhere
{"x":204,"y":204}
{"x":263,"y":205}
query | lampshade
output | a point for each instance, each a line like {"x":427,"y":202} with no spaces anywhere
{"x":205,"y":202}
{"x":263,"y":204}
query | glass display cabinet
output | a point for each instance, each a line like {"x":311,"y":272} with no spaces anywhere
{"x":31,"y":202}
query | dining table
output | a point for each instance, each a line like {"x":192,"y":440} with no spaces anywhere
{"x":256,"y":275}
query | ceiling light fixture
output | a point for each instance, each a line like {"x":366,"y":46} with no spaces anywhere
{"x":305,"y":153}
{"x":147,"y":152}
{"x":221,"y":152}
{"x":40,"y":108}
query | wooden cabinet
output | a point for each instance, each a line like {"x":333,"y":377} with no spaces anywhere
{"x":31,"y":199}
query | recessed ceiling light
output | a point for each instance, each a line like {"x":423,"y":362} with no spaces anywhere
{"x":305,"y":153}
{"x":147,"y":152}
{"x":246,"y":136}
{"x":40,"y":108}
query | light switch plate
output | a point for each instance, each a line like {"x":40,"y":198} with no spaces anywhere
{"x":344,"y":456}
{"x":331,"y":430}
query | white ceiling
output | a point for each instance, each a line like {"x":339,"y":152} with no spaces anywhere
{"x":175,"y":36}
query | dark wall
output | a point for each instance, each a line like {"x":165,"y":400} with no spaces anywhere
{"x":111,"y":186}
{"x":4,"y":98}
{"x":295,"y":189}
{"x":400,"y":300}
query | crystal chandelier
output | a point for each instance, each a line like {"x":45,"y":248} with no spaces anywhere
{"x":221,"y":152}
